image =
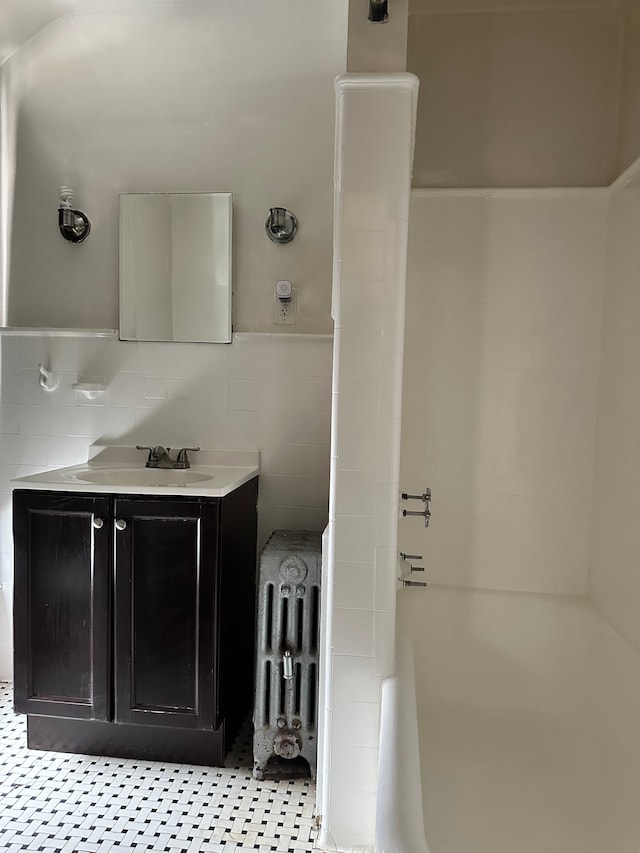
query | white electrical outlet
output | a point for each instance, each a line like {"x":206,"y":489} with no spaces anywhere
{"x":286,"y":312}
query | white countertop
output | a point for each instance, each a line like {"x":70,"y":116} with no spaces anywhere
{"x":121,"y":470}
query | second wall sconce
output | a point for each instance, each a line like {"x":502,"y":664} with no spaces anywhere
{"x":74,"y":224}
{"x":281,"y":225}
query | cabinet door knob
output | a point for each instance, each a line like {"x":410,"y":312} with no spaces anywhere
{"x":120,"y":524}
{"x":98,"y":523}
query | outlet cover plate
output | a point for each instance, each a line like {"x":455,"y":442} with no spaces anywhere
{"x":286,"y":313}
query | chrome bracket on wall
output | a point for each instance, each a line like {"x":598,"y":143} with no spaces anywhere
{"x":406,"y":557}
{"x":406,"y":569}
{"x":425,"y":497}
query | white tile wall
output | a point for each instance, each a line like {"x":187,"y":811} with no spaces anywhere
{"x":355,"y":762}
{"x":263,"y":393}
{"x":352,"y":629}
{"x":353,"y":817}
{"x":358,"y":729}
{"x":375,"y":128}
{"x":353,"y":588}
{"x":354,"y":679}
{"x":504,"y":311}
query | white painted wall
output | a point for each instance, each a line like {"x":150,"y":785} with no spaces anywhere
{"x":629,"y":130}
{"x":20,"y":20}
{"x":376,"y":46}
{"x":502,"y":354}
{"x":524,"y":97}
{"x":188,"y":96}
{"x":267,"y":393}
{"x":616,"y":531}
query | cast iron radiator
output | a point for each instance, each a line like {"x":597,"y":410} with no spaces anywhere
{"x":286,"y":694}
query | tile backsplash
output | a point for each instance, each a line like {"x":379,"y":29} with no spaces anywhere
{"x":263,"y":392}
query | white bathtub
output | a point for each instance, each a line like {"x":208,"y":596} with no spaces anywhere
{"x":399,"y":819}
{"x":527,"y":724}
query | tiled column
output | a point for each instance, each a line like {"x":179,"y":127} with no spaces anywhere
{"x":8,"y":132}
{"x":374,"y":148}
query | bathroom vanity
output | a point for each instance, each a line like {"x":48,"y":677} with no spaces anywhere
{"x":134,"y":609}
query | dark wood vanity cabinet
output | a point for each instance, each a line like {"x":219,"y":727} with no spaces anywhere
{"x":166,"y":594}
{"x":62,"y":626}
{"x":134,"y":622}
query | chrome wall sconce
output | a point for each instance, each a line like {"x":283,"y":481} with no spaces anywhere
{"x":74,"y":225}
{"x":378,"y":12}
{"x":281,"y":225}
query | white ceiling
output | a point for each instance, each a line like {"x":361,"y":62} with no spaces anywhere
{"x":21,"y":19}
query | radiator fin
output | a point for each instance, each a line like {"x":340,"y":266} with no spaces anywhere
{"x":268,"y":622}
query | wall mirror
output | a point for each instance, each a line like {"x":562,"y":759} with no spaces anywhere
{"x":175,"y":267}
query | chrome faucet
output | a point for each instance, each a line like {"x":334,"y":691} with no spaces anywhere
{"x":159,"y":457}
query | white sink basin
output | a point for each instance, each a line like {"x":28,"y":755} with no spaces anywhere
{"x":125,"y":477}
{"x":120,"y":470}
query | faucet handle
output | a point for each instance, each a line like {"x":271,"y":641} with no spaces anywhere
{"x":182,"y":458}
{"x":152,"y":451}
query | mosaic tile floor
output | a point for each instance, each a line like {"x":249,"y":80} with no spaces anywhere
{"x":52,"y":801}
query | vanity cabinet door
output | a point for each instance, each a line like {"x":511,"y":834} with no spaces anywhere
{"x":166,"y":601}
{"x":62,"y":620}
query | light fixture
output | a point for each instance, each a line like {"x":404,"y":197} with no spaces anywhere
{"x":74,"y":224}
{"x":378,"y":13}
{"x":281,"y":225}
